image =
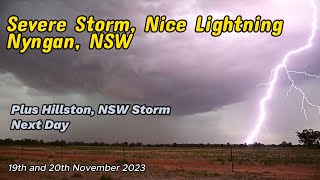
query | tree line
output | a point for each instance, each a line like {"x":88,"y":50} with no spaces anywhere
{"x":33,"y":142}
{"x":307,"y":137}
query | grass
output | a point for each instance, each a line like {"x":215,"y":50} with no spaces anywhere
{"x":7,"y":158}
{"x":261,"y":156}
{"x":267,"y":156}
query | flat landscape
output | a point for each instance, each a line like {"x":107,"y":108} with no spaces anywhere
{"x":167,"y":162}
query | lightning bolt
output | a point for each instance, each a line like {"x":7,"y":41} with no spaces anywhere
{"x":274,"y":78}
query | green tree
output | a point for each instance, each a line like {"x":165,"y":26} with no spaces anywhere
{"x":309,"y":137}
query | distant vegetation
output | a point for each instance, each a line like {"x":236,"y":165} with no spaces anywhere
{"x":307,"y":137}
{"x":9,"y":141}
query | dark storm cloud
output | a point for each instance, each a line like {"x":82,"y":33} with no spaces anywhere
{"x":192,"y":72}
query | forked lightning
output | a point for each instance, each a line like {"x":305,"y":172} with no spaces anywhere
{"x":275,"y":75}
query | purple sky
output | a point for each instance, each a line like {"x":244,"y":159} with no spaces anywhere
{"x":209,"y":81}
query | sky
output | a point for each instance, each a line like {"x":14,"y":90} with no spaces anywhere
{"x":210,"y":82}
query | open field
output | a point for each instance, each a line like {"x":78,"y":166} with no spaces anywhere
{"x":168,"y":162}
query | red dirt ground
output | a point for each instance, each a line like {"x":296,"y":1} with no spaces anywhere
{"x":276,"y":171}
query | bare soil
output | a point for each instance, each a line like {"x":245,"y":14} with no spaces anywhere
{"x":174,"y":166}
